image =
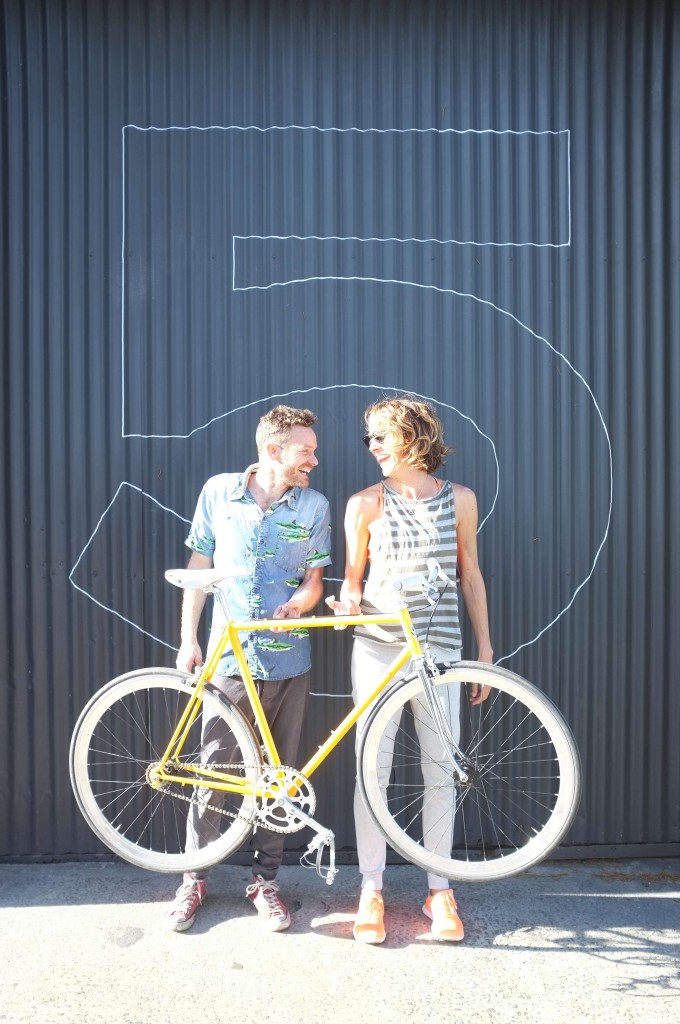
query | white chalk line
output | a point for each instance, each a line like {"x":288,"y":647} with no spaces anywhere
{"x":382,"y":388}
{"x":504,"y":312}
{"x":560,"y":355}
{"x":421,"y":241}
{"x":130,"y":622}
{"x":256,"y":128}
{"x":122,"y":291}
{"x":342,"y":131}
{"x":106,"y":511}
{"x":316,"y":128}
{"x":333,"y":387}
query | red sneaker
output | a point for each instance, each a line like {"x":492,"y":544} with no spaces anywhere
{"x":190,"y":895}
{"x":264,"y":895}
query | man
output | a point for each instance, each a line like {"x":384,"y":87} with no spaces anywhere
{"x":269,"y":521}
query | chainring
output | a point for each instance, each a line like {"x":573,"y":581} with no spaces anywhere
{"x":272,"y":812}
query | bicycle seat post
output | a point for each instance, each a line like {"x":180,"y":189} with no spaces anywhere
{"x":221,"y":599}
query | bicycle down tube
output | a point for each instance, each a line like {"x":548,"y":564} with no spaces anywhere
{"x":211,"y":778}
{"x":410,"y":649}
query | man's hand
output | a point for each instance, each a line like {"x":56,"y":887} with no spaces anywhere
{"x":304,"y":599}
{"x":289,"y":610}
{"x":189,"y":656}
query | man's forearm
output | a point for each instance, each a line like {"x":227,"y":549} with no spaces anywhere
{"x":192,"y":606}
{"x":193,"y":601}
{"x":307,"y":595}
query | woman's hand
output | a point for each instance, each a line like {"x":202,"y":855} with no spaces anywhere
{"x":346,"y":607}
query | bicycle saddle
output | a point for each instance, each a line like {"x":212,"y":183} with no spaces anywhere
{"x":201,"y":579}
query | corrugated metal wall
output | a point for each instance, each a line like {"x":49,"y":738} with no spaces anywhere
{"x":209,"y":204}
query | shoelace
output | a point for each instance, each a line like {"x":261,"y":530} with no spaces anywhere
{"x":185,"y":894}
{"x":449,"y":904}
{"x":270,"y":894}
{"x":372,"y":909}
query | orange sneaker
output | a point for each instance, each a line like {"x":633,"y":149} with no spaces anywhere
{"x":368,"y":924}
{"x":443,"y":912}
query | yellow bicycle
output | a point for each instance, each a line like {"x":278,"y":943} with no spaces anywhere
{"x":497,"y":795}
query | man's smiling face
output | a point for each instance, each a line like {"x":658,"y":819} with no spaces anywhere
{"x":297,"y":458}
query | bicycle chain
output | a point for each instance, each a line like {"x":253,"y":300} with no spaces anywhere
{"x":250,"y":818}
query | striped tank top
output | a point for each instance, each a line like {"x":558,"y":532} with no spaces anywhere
{"x":408,"y":532}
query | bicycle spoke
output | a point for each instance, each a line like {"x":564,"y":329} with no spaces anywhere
{"x":121,"y":735}
{"x":517,"y":758}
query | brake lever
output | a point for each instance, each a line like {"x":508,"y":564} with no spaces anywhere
{"x":428,"y":587}
{"x":436,"y":571}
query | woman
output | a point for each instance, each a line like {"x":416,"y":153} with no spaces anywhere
{"x":396,"y":525}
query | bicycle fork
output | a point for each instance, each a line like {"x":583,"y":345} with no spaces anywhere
{"x":426,"y":671}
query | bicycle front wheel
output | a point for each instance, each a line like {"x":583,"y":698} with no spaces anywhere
{"x":121,"y":733}
{"x":522,"y":765}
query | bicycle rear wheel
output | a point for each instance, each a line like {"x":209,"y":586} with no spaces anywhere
{"x":120,"y":733}
{"x":523,"y":767}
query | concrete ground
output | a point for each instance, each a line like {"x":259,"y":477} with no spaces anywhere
{"x":566,"y":942}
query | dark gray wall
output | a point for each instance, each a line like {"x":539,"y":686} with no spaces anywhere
{"x":210,"y":205}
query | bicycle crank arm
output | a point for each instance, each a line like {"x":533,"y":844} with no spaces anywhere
{"x":324,"y":837}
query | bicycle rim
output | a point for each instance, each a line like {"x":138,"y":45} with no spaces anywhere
{"x":123,"y":730}
{"x":523,"y":766}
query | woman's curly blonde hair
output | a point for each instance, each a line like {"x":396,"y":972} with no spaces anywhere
{"x":418,"y":428}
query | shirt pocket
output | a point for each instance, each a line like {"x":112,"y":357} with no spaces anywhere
{"x":290,"y":555}
{"x":292,"y":543}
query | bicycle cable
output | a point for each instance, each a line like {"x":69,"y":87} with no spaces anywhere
{"x":441,"y":723}
{"x":440,"y":595}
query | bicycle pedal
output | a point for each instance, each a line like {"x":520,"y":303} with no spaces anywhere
{"x":318,"y":844}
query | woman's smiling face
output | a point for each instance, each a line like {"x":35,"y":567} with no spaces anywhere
{"x":384,"y":444}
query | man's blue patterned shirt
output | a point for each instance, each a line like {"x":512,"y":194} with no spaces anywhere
{"x":276,"y":547}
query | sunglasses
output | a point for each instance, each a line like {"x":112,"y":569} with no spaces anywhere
{"x":367,"y":438}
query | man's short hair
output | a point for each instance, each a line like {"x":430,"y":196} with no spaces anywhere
{"x":276,"y":424}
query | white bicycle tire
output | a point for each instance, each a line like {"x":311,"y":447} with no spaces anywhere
{"x":98,"y":805}
{"x":470,"y":864}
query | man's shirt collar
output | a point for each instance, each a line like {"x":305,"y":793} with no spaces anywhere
{"x":239,"y":490}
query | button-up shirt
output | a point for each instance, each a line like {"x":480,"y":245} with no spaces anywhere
{"x":276,"y":547}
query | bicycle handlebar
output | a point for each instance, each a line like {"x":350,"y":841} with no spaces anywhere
{"x":420,"y":581}
{"x":209,"y":579}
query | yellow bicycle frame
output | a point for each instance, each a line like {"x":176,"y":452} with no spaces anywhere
{"x":202,"y":775}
